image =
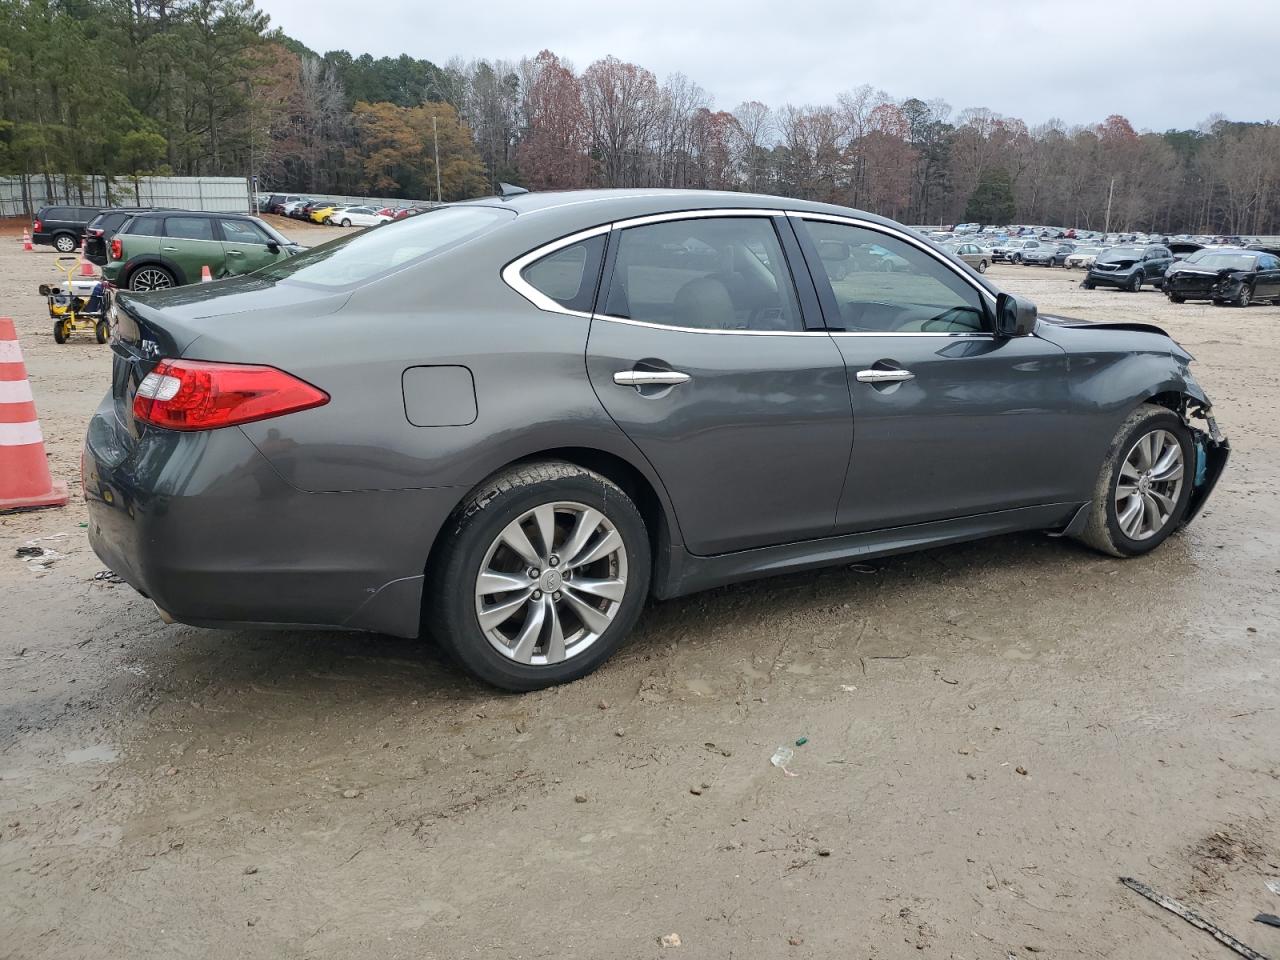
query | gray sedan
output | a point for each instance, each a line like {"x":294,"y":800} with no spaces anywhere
{"x":972,"y":254}
{"x":509,"y":423}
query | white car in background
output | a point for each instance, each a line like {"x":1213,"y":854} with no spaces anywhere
{"x":358,"y":217}
{"x":1082,"y":258}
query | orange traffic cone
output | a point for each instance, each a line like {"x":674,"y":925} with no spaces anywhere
{"x":86,"y":268}
{"x":26,"y":239}
{"x":24,"y":472}
{"x":205,"y":275}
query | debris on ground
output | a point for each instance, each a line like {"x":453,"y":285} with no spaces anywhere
{"x":1273,"y":885}
{"x":108,"y":576}
{"x":781,"y":757}
{"x":24,"y":552}
{"x":580,"y":798}
{"x":350,"y":794}
{"x":670,"y":940}
{"x":1197,"y":921}
{"x":1022,"y":770}
{"x":801,"y":741}
{"x":1270,"y":919}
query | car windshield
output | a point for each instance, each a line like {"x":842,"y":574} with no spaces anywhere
{"x":1116,"y":254}
{"x":364,"y":256}
{"x":1224,"y":261}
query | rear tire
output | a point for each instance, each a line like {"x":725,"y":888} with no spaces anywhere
{"x":982,"y":266}
{"x":478,"y":553}
{"x":1109,"y":528}
{"x":102,"y":330}
{"x":151,"y":277}
{"x":346,"y":223}
{"x":61,"y":331}
{"x":65,"y":243}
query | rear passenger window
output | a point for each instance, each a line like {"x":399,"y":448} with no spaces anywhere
{"x":569,"y":275}
{"x":189,"y":228}
{"x":719,"y":273}
{"x":144,"y":227}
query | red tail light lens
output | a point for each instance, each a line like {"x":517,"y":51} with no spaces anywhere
{"x":202,"y":395}
{"x":35,"y":226}
{"x":117,"y":248}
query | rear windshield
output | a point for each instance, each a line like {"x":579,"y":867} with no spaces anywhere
{"x":363,"y":256}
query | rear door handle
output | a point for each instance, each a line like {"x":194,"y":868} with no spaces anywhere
{"x":235,"y":253}
{"x":884,"y":376}
{"x":650,"y":378}
{"x":168,"y":249}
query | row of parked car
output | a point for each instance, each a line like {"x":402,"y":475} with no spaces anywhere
{"x":323,"y":211}
{"x":1238,"y":273}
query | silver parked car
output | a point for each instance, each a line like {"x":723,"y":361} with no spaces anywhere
{"x":509,"y":423}
{"x":972,"y":254}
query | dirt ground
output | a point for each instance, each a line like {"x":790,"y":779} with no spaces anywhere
{"x":996,"y":733}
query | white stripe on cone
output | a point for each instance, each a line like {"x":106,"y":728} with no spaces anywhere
{"x":20,"y":434}
{"x":10,"y":351}
{"x":15,"y":391}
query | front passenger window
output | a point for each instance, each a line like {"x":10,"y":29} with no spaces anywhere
{"x":885,"y":285}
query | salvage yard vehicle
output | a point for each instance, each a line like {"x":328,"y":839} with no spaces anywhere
{"x":1238,"y":277}
{"x":1081,"y":258}
{"x":507,"y":423}
{"x":1047,"y":254}
{"x":970,"y":253}
{"x":155,"y":251}
{"x":1128,"y":268}
{"x":363,"y":216}
{"x":62,"y":226}
{"x":98,"y":234}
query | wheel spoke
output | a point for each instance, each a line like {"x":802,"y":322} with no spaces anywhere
{"x":591,"y":618}
{"x":609,"y":589}
{"x":555,"y":637}
{"x":1128,"y":470}
{"x":515,"y":538}
{"x":1166,"y":504}
{"x":1130,"y":516}
{"x":493,"y":617}
{"x":545,"y":517}
{"x":1152,"y":520}
{"x":491,"y":581}
{"x":527,"y":640}
{"x":603,"y":547}
{"x":587,"y":523}
{"x":1125,"y":490}
{"x":1169,"y":466}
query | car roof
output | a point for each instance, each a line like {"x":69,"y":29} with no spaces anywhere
{"x":584,"y":208}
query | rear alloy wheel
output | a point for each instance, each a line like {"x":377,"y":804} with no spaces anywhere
{"x":346,"y":223}
{"x":545,"y":572}
{"x":982,"y":266}
{"x":1142,"y":490}
{"x":64,"y":243}
{"x":151,"y":278}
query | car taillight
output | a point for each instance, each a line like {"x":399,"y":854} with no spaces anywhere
{"x":117,"y":248}
{"x":203,"y":395}
{"x":35,"y":226}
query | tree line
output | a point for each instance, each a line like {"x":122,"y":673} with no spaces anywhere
{"x":206,"y":87}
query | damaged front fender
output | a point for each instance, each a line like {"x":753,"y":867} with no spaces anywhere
{"x":1212,"y":448}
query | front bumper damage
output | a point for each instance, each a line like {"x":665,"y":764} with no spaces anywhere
{"x":1212,"y":449}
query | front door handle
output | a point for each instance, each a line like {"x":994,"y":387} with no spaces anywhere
{"x":169,"y":249}
{"x":884,"y":376}
{"x":235,"y":253}
{"x":650,"y":378}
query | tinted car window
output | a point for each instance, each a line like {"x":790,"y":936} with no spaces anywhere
{"x":56,"y":213}
{"x":189,"y":228}
{"x":144,"y":227}
{"x":883,"y":284}
{"x":1268,"y":263}
{"x":371,"y":253}
{"x":723,"y":273}
{"x":242,"y":231}
{"x":569,"y":276}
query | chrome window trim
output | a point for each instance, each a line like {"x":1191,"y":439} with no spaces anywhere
{"x":511,"y":273}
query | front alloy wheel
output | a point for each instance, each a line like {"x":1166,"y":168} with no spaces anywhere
{"x":1245,"y":297}
{"x":1142,"y":490}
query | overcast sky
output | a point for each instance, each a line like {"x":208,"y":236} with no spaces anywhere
{"x":1161,"y":63}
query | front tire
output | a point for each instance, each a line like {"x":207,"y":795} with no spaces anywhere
{"x":102,"y":331}
{"x":545,"y":571}
{"x":61,"y":331}
{"x":1245,"y":298}
{"x":1177,"y":298}
{"x":1142,"y":490}
{"x":1135,"y":285}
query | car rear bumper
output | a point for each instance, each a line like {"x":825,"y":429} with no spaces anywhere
{"x":204,"y":526}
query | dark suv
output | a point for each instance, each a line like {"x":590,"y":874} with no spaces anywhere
{"x":62,"y":227}
{"x":1128,"y":268}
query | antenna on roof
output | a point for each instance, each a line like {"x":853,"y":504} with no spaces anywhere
{"x":510,"y":190}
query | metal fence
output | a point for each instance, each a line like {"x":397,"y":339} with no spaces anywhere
{"x":24,"y":195}
{"x":337,"y":199}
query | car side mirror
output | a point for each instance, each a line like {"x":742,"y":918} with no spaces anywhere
{"x":273,"y":246}
{"x":1014,"y":317}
